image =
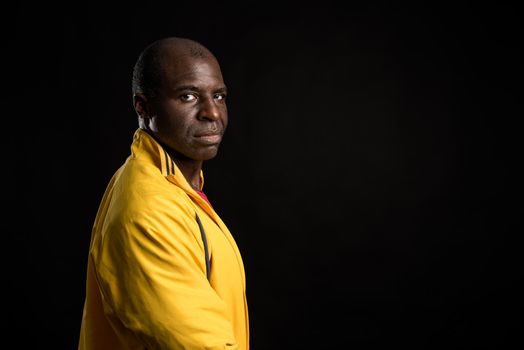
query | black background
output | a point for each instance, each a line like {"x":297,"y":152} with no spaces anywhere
{"x":371,"y":172}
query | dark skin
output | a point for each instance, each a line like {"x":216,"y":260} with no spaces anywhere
{"x":188,"y":114}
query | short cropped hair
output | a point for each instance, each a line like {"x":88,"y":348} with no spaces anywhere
{"x":148,"y":69}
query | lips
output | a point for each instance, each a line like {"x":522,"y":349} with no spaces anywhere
{"x":209,"y":138}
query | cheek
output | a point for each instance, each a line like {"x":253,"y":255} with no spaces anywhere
{"x":177,"y":121}
{"x":168,"y":123}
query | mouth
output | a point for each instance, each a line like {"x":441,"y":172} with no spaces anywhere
{"x":209,"y":138}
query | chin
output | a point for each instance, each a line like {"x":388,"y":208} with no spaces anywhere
{"x":208,"y":154}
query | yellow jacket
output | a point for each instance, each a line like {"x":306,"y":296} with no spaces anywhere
{"x":147,"y":284}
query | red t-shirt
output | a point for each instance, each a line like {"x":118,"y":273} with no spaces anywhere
{"x":203,"y":195}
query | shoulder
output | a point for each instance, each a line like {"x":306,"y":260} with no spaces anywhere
{"x":142,"y":192}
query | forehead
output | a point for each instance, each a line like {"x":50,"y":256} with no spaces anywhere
{"x":186,"y":69}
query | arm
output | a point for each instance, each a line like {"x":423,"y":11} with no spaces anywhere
{"x":152,"y":273}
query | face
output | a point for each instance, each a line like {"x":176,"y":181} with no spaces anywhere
{"x":189,"y":113}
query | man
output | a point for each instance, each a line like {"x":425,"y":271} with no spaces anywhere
{"x":163,"y":270}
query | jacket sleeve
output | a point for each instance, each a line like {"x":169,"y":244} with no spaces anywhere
{"x":151,"y":270}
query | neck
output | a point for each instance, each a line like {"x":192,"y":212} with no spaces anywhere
{"x":191,"y":170}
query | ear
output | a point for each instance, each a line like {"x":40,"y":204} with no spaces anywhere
{"x":142,"y":106}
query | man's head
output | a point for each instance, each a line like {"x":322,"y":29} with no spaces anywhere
{"x":179,"y":96}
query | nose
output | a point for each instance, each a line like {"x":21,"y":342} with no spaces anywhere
{"x":209,"y":110}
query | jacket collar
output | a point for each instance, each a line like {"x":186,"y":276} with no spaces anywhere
{"x":146,"y":148}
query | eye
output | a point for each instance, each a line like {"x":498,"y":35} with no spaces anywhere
{"x":220,"y":96}
{"x":187,"y":97}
